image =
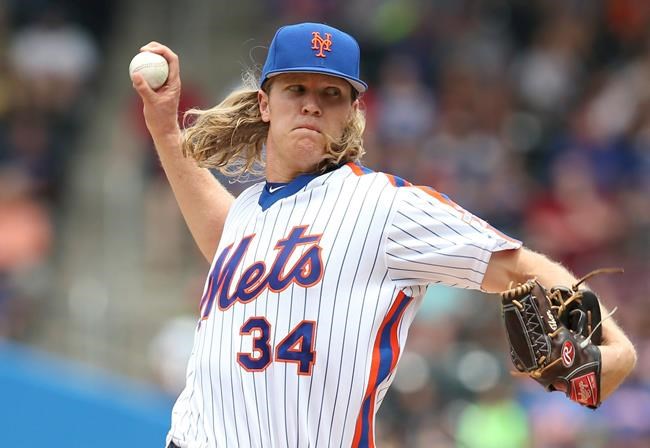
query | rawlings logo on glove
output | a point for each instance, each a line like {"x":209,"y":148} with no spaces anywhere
{"x":554,"y":337}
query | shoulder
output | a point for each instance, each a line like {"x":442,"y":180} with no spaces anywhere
{"x":402,"y":187}
{"x":385,"y":178}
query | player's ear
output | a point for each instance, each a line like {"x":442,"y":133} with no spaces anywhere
{"x":263,"y":101}
{"x":354,"y":108}
{"x":355,"y":105}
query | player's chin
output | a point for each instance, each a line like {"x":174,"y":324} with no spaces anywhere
{"x":312,"y":145}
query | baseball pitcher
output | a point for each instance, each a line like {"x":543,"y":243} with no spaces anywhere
{"x":318,"y":271}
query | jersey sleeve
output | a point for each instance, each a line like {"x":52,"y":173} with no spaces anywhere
{"x":433,"y":240}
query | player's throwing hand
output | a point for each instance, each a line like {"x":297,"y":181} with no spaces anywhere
{"x":161,"y":105}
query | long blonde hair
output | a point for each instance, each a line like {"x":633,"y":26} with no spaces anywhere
{"x":230,"y":136}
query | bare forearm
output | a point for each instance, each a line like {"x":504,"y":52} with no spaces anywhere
{"x":618,"y":357}
{"x":521,"y":265}
{"x":203,"y":201}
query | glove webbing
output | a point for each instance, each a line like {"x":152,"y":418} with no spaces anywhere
{"x":556,"y":295}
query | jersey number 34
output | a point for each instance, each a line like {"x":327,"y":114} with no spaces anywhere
{"x":296,"y":347}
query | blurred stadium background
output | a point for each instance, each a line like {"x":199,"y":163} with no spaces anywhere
{"x":533,"y":114}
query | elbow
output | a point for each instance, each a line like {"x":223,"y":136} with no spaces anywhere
{"x":502,"y":268}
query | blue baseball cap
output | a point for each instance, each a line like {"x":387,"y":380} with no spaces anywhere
{"x":314,"y":48}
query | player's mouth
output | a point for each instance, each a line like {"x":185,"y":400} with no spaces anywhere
{"x":308,"y":127}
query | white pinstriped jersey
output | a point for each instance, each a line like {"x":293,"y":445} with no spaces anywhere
{"x":308,"y":303}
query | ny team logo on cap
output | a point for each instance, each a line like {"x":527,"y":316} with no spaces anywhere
{"x":320,"y":44}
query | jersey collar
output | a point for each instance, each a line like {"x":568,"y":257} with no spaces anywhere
{"x":274,"y":191}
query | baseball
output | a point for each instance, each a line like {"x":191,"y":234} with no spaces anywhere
{"x":152,"y":66}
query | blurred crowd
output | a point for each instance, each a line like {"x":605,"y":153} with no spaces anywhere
{"x":49,"y":53}
{"x":534,"y":115}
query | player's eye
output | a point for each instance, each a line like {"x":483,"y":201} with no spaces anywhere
{"x":333,"y":92}
{"x":296,"y":88}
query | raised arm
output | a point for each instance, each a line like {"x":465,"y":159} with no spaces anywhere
{"x":617,"y":352}
{"x":203,"y":201}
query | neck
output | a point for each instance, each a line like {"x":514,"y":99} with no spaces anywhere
{"x":279,"y":176}
{"x":280,"y":168}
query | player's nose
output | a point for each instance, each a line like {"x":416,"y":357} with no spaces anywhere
{"x":310,"y":105}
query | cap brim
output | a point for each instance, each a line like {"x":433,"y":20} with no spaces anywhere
{"x":358,"y":85}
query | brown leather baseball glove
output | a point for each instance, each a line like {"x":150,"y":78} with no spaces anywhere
{"x":554,"y":337}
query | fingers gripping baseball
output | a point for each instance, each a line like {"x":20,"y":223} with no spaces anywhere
{"x":160,"y":105}
{"x":169,"y":55}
